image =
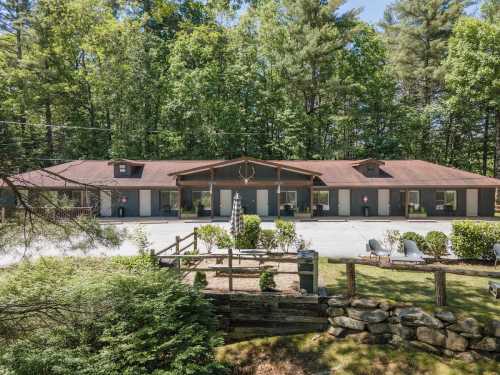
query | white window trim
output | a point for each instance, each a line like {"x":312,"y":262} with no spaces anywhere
{"x":326,"y":207}
{"x":205,"y":208}
{"x":414,"y":205}
{"x":286,"y":192}
{"x":122,"y":168}
{"x":170,"y":192}
{"x":445,"y":192}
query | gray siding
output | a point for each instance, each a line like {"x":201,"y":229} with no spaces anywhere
{"x":132,"y":205}
{"x":357,"y":203}
{"x":7,"y":198}
{"x":397,"y":202}
{"x":486,"y":202}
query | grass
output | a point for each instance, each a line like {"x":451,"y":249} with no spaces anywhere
{"x":466,"y":295}
{"x":311,"y":354}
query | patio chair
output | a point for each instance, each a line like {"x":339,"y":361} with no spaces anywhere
{"x":375,"y":249}
{"x":496,"y":250}
{"x":412,"y":254}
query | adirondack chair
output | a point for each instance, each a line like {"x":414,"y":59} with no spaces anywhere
{"x":375,"y":249}
{"x":412,"y":254}
{"x":496,"y":250}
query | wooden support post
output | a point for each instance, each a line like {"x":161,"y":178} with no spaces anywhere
{"x":195,"y":239}
{"x":230,"y":265}
{"x":179,"y":201}
{"x":440,"y":284}
{"x":351,"y":279}
{"x":2,"y":215}
{"x":279,"y":192}
{"x":177,"y":250}
{"x":407,"y":202}
{"x":152,"y":256}
{"x":212,"y":193}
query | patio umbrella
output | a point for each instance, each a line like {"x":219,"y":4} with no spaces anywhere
{"x":236,"y":217}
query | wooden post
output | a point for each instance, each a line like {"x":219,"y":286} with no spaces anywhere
{"x":152,"y":256}
{"x":179,"y":201}
{"x":230,"y":265}
{"x":279,"y":192}
{"x":211,"y":193}
{"x":177,"y":250}
{"x":440,"y":284}
{"x":2,"y":215}
{"x":311,"y":196}
{"x":350,"y":271}
{"x":407,"y":201}
{"x":195,"y":239}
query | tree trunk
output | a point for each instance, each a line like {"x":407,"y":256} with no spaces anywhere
{"x":497,"y":143}
{"x":485,"y":142}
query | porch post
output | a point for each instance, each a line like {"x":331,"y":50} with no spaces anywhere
{"x":279,"y":191}
{"x":211,"y":193}
{"x":311,"y":196}
{"x":407,"y":201}
{"x":179,"y":201}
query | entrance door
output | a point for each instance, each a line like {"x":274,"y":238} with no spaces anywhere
{"x":226,"y":200}
{"x":105,"y":202}
{"x":145,"y":202}
{"x":344,"y":202}
{"x":263,"y":202}
{"x":472,"y":200}
{"x":383,"y":202}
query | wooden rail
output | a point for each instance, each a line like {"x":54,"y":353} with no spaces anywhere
{"x":177,"y":244}
{"x":439,"y":273}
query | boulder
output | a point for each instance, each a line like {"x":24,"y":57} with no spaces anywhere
{"x":456,"y":342}
{"x":361,"y":337}
{"x":468,"y":327}
{"x":336,"y":331}
{"x":424,"y":347}
{"x":380,"y":339}
{"x":448,"y":353}
{"x":338,"y":301}
{"x":369,"y":316}
{"x":407,"y":333}
{"x":379,"y":328}
{"x":468,"y":357}
{"x":386,"y":306}
{"x":335,"y":311}
{"x":413,"y":316}
{"x":431,"y":336}
{"x":365,"y":303}
{"x":493,"y":328}
{"x":446,"y":316}
{"x":488,"y":344}
{"x":396,"y":340}
{"x":344,"y":321}
{"x":394,"y":319}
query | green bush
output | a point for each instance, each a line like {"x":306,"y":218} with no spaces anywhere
{"x":266,"y":281}
{"x":286,"y":234}
{"x":251,"y":232}
{"x":212,"y":235}
{"x":474,"y":240}
{"x":200,"y":280}
{"x":436,"y":244}
{"x":268,"y":239}
{"x":418,"y":238}
{"x":103,"y":319}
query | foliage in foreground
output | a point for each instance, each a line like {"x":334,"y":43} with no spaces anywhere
{"x":81,"y":317}
{"x":249,"y":239}
{"x":474,"y":240}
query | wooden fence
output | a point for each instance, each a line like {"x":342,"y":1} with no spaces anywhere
{"x":439,"y":274}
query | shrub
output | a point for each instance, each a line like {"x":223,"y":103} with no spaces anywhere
{"x":266,"y":281}
{"x":211,"y":235}
{"x":436,"y":244}
{"x":251,"y":232}
{"x":268,"y":239}
{"x":474,"y":240}
{"x":286,"y":234}
{"x":224,"y":240}
{"x":200,"y":280}
{"x":418,"y":238}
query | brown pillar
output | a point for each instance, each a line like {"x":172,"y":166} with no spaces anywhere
{"x":311,"y":196}
{"x":179,"y":201}
{"x":351,"y":279}
{"x":279,"y":191}
{"x":211,"y":193}
{"x":440,"y":284}
{"x":407,"y":201}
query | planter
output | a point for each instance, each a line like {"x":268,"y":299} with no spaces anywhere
{"x":189,"y":215}
{"x":417,"y":216}
{"x":302,"y":215}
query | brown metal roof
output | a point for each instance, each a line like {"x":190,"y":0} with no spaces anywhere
{"x":334,"y":173}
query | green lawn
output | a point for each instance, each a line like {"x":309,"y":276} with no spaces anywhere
{"x":310,"y":354}
{"x":466,"y":294}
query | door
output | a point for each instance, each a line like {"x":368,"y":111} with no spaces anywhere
{"x":263,"y":202}
{"x":344,"y":202}
{"x":383,"y":202}
{"x":144,"y":202}
{"x":226,"y":200}
{"x":105,"y":201}
{"x":472,"y":201}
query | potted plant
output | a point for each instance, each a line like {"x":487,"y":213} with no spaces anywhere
{"x":189,"y":213}
{"x":417,"y":213}
{"x":304,"y":214}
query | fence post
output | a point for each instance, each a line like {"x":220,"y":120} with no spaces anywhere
{"x":2,"y":215}
{"x":152,"y":256}
{"x":230,"y":264}
{"x":351,"y":279}
{"x":177,"y":250}
{"x":440,"y":284}
{"x":195,"y":239}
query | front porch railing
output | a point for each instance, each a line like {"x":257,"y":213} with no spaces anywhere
{"x":58,"y":213}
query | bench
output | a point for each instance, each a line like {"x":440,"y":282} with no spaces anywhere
{"x":493,"y":288}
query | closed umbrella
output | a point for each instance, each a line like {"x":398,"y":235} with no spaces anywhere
{"x":236,"y":217}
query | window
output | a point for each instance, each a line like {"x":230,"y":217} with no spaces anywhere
{"x":288,"y":198}
{"x":414,"y":199}
{"x":203,"y":199}
{"x":321,"y":197}
{"x":446,"y":200}
{"x":122,"y":168}
{"x":72,"y":197}
{"x":168,"y":200}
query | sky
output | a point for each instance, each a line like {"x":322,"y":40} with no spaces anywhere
{"x":373,"y":10}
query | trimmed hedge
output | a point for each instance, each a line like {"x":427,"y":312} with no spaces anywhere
{"x":474,"y":240}
{"x":436,"y":244}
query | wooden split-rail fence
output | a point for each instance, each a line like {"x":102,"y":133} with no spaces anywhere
{"x":438,"y":271}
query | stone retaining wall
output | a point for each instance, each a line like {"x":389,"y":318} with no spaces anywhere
{"x":371,"y":321}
